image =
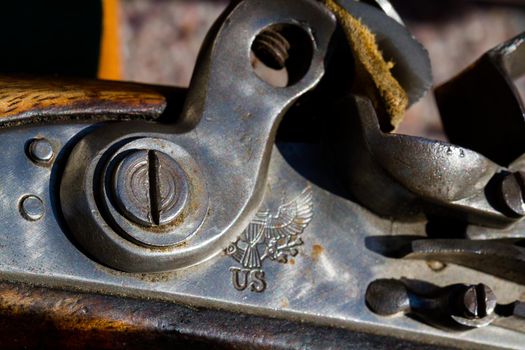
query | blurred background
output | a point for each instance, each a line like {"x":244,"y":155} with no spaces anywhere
{"x":157,"y":41}
{"x":161,"y":39}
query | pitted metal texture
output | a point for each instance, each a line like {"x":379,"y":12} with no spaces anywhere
{"x":180,"y":193}
{"x":207,"y":212}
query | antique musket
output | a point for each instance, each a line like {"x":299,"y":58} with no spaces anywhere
{"x":139,"y":216}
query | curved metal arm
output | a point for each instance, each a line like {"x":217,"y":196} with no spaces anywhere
{"x":410,"y":176}
{"x":223,"y":149}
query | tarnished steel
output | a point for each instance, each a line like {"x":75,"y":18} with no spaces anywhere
{"x":187,"y":226}
{"x":457,"y":307}
{"x":222,"y":143}
{"x":505,"y":259}
{"x":409,"y":177}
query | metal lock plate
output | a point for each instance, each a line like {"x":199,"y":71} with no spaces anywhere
{"x":247,"y":226}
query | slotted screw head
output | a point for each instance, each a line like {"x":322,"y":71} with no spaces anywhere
{"x":150,"y":188}
{"x":479,"y":301}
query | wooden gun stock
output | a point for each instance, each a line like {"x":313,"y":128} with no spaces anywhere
{"x":26,"y":101}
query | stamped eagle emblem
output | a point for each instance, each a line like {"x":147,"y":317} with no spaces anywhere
{"x":271,"y":236}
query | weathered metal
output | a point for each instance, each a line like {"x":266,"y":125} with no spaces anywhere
{"x":222,"y":143}
{"x":150,"y":188}
{"x":502,"y":258}
{"x":197,"y":207}
{"x":31,"y":208}
{"x":479,"y":301}
{"x":512,"y":191}
{"x":40,"y":151}
{"x":271,"y":47}
{"x":456,"y":307}
{"x":409,"y":177}
{"x":323,"y":284}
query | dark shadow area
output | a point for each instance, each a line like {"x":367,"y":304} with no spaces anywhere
{"x":51,"y":37}
{"x":493,"y":192}
{"x":506,"y":310}
{"x":429,"y":10}
{"x":520,"y":243}
{"x":446,"y":227}
{"x":421,"y":287}
{"x":395,"y":247}
{"x":311,"y":162}
{"x":303,"y":133}
{"x":309,"y":120}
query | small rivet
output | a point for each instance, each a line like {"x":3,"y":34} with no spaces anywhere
{"x":40,"y":151}
{"x":436,"y":266}
{"x":32,"y":208}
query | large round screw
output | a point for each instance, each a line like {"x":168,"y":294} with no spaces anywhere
{"x":150,"y":188}
{"x":40,"y":151}
{"x":479,"y":301}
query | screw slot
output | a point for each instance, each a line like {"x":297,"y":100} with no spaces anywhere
{"x":154,"y":187}
{"x":479,"y":301}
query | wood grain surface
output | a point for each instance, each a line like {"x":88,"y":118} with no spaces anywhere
{"x":29,"y":100}
{"x":40,"y":318}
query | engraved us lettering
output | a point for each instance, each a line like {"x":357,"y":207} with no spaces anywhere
{"x":270,"y":236}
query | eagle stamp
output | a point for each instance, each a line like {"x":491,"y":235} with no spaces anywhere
{"x":271,"y":236}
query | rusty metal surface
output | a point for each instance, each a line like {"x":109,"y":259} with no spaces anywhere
{"x":457,"y":307}
{"x":32,"y":317}
{"x":325,"y":284}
